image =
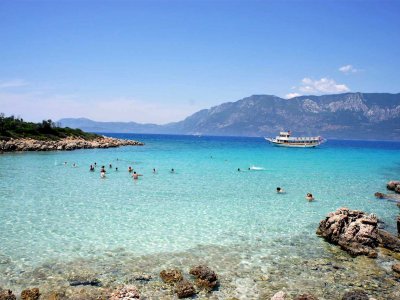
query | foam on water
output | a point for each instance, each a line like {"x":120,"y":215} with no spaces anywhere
{"x":55,"y":212}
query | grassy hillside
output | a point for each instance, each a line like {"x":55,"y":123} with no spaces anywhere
{"x":12,"y":127}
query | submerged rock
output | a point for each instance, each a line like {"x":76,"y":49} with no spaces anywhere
{"x":7,"y":295}
{"x":355,"y":295}
{"x":205,"y":277}
{"x":279,"y":296}
{"x":171,"y":276}
{"x":396,"y":268}
{"x":126,"y":293}
{"x":30,"y":294}
{"x":93,"y":282}
{"x":306,"y":297}
{"x":389,"y":241}
{"x":353,"y":230}
{"x":184,"y":289}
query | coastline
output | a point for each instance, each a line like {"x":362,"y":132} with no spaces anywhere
{"x":69,"y":143}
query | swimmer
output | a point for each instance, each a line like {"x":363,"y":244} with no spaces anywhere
{"x":172,"y":170}
{"x":103,"y":174}
{"x":238,"y":169}
{"x":154,"y":170}
{"x":103,"y":170}
{"x":95,"y":164}
{"x":130,"y":169}
{"x":136,"y":176}
{"x":309,"y":197}
{"x":91,"y":168}
{"x":110,"y":166}
{"x":280,"y":190}
{"x":65,"y":163}
{"x":116,"y":168}
{"x":74,"y":165}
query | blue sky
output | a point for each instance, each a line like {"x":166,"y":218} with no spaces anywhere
{"x":160,"y":61}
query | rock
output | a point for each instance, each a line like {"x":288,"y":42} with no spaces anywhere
{"x":7,"y":295}
{"x":396,"y":268}
{"x":355,"y":295}
{"x":389,"y":241}
{"x":279,"y":296}
{"x":205,"y":277}
{"x":393,"y":185}
{"x":306,"y":297}
{"x":30,"y":294}
{"x":353,"y":230}
{"x":171,"y":276}
{"x":398,"y":225}
{"x":380,"y":195}
{"x":94,"y":282}
{"x":126,"y":293}
{"x":184,"y":289}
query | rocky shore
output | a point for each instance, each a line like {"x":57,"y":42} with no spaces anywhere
{"x":26,"y":144}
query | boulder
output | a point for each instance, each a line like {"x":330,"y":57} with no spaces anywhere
{"x":30,"y":294}
{"x":7,"y":295}
{"x":355,"y":295}
{"x":184,"y":289}
{"x":279,"y":296}
{"x":205,"y":277}
{"x":127,"y":292}
{"x":393,"y":185}
{"x":396,"y":268}
{"x":354,"y":231}
{"x":171,"y":276}
{"x":389,"y":241}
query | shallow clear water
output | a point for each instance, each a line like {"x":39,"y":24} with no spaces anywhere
{"x":50,"y":211}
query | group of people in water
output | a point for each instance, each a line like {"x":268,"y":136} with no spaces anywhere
{"x":309,"y":196}
{"x":135,"y":175}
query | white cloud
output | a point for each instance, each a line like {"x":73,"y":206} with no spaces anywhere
{"x":347,"y":69}
{"x":323,"y":85}
{"x":12,"y":83}
{"x":37,"y":106}
{"x":292,"y":95}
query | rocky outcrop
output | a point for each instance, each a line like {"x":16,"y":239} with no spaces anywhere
{"x":30,"y":294}
{"x":356,"y":232}
{"x":69,"y":143}
{"x":7,"y":295}
{"x":184,"y":289}
{"x":205,"y":277}
{"x":393,"y":185}
{"x":126,"y":293}
{"x":171,"y":276}
{"x":353,"y":230}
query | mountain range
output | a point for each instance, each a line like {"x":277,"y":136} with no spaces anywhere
{"x":342,"y":116}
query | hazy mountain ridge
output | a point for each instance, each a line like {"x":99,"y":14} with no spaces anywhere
{"x":349,"y":115}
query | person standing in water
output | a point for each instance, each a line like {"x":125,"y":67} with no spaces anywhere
{"x":135,"y":175}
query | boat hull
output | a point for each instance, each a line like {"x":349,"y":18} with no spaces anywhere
{"x":295,"y":145}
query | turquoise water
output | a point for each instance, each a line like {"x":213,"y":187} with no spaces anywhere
{"x":50,"y":211}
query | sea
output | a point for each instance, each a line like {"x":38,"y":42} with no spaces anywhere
{"x":60,"y":222}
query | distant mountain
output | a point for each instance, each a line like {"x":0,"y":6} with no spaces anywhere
{"x":348,"y":116}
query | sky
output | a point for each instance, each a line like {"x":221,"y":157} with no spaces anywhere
{"x":160,"y":61}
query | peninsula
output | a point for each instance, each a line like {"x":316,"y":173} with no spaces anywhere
{"x":18,"y":135}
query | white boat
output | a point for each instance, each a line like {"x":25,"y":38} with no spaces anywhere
{"x":286,"y":140}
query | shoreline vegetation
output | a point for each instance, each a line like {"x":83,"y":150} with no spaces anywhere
{"x":18,"y":135}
